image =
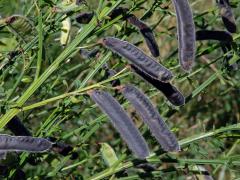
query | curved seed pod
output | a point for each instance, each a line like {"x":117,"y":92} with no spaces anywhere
{"x":151,"y":117}
{"x":24,"y":143}
{"x":143,"y":28}
{"x":137,"y":57}
{"x":214,"y":35}
{"x":227,"y":15}
{"x":84,"y":18}
{"x":87,"y":54}
{"x":17,"y":127}
{"x":62,"y":148}
{"x":121,"y":122}
{"x":147,"y":34}
{"x":186,"y":33}
{"x":171,"y":92}
{"x":110,"y":73}
{"x":119,"y":11}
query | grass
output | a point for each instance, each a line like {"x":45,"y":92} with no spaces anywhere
{"x":46,"y":85}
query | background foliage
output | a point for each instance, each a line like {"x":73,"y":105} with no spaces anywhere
{"x":207,"y":126}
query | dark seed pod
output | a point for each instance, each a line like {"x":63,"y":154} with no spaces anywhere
{"x":137,"y":57}
{"x":87,"y":54}
{"x":186,"y":33}
{"x":151,"y":117}
{"x":214,"y":35}
{"x":227,"y":15}
{"x":24,"y":143}
{"x":62,"y":148}
{"x":119,"y":11}
{"x":84,"y":18}
{"x":110,"y":73}
{"x":147,"y":34}
{"x":171,"y":92}
{"x":121,"y":122}
{"x":17,"y":127}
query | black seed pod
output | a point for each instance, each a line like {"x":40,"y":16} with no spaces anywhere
{"x":118,"y":11}
{"x":121,"y":122}
{"x":214,"y":35}
{"x":62,"y":148}
{"x":151,"y":117}
{"x":137,"y":57}
{"x":172,"y":94}
{"x":186,"y":33}
{"x":24,"y":143}
{"x":84,"y":18}
{"x":110,"y":73}
{"x":17,"y":127}
{"x":147,"y":34}
{"x":87,"y":54}
{"x":227,"y":15}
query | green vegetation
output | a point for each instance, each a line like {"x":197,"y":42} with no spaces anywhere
{"x":45,"y":84}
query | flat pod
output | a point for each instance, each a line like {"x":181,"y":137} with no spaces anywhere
{"x":137,"y":57}
{"x":24,"y":143}
{"x":87,"y":54}
{"x":84,"y":18}
{"x":62,"y":148}
{"x":146,"y":31}
{"x":16,"y":126}
{"x":110,"y":73}
{"x":151,"y":117}
{"x":121,"y":122}
{"x":147,"y":34}
{"x":186,"y":33}
{"x":214,"y":35}
{"x":227,"y":15}
{"x":119,"y":11}
{"x":171,"y":92}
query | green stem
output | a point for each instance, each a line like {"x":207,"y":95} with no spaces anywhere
{"x":20,"y":78}
{"x":40,"y":42}
{"x":187,"y":141}
{"x":73,"y":93}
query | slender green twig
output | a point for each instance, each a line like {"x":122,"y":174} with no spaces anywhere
{"x":40,"y":39}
